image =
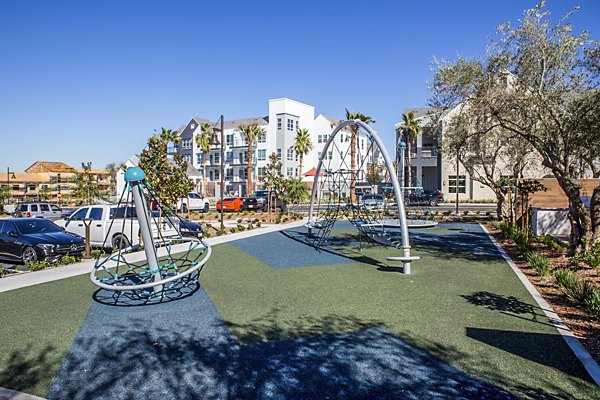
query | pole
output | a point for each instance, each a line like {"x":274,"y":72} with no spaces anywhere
{"x":457,"y":167}
{"x":222,"y":166}
{"x":134,"y":176}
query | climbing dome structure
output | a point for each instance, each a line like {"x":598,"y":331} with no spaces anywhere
{"x":341,"y":170}
{"x":170,"y":262}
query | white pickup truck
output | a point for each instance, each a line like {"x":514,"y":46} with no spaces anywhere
{"x":115,"y":224}
{"x":193,"y":202}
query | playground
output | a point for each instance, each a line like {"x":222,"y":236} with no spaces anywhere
{"x":273,"y":317}
{"x":342,"y":305}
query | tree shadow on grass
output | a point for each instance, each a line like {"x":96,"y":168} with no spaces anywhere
{"x":26,"y":370}
{"x":330,"y":357}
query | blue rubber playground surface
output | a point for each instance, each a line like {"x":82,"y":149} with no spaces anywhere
{"x":274,"y":318}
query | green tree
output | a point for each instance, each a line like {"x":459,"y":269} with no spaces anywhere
{"x":87,"y":188}
{"x":374,"y":172}
{"x":251,"y":133}
{"x":410,"y":129}
{"x":351,"y":115}
{"x":112,"y":169}
{"x":4,"y":195}
{"x":203,"y":143}
{"x":539,"y":82}
{"x":44,"y":193}
{"x":273,"y":179}
{"x":167,"y":178}
{"x":295,"y":191}
{"x":302,"y":145}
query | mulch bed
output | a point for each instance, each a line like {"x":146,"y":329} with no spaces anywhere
{"x":583,"y":326}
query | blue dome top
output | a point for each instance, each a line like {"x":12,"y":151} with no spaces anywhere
{"x":402,"y":145}
{"x":134,"y":174}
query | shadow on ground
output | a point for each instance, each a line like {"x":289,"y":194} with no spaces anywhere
{"x":168,"y":351}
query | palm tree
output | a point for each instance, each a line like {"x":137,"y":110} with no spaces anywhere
{"x":351,"y":115}
{"x":251,"y":133}
{"x":410,"y":128}
{"x":203,"y":143}
{"x":302,"y":145}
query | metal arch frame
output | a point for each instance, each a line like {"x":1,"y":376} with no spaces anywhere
{"x":406,"y":257}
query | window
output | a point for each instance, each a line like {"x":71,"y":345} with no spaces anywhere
{"x":245,"y":156}
{"x":262,"y":139}
{"x":54,"y":208}
{"x":96,"y":214}
{"x":188,"y":158}
{"x":290,"y":154}
{"x":296,"y":172}
{"x":217,"y":158}
{"x":8,"y":227}
{"x":44,"y":207}
{"x":79,"y":215}
{"x":199,"y":158}
{"x":290,"y":171}
{"x":31,"y":186}
{"x":262,"y":171}
{"x":290,"y":124}
{"x":362,"y":144}
{"x":279,"y":154}
{"x":229,"y":157}
{"x":211,"y":175}
{"x":279,"y":123}
{"x":229,"y":174}
{"x":192,"y":126}
{"x":296,"y":156}
{"x":34,"y":208}
{"x":297,"y":125}
{"x":186,"y":144}
{"x":262,"y":155}
{"x":217,"y":175}
{"x":229,"y":140}
{"x":44,"y":187}
{"x":462,"y":184}
{"x":330,"y":154}
{"x":15,"y":187}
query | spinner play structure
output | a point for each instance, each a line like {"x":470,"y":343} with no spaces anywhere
{"x":331,"y":192}
{"x":172,"y":262}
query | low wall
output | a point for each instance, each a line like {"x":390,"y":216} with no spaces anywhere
{"x":550,"y":221}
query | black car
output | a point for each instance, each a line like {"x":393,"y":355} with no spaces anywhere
{"x":33,"y":239}
{"x":262,"y":197}
{"x":427,"y":197}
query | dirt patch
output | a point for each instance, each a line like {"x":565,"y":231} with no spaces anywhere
{"x":583,"y":326}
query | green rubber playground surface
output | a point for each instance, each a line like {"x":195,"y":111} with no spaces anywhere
{"x":462,"y":306}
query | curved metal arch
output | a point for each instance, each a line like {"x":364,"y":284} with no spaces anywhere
{"x":406,"y":257}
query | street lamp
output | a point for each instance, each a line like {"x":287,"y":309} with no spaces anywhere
{"x":214,"y":141}
{"x":8,"y":178}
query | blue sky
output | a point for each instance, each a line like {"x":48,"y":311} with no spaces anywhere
{"x":92,"y":80}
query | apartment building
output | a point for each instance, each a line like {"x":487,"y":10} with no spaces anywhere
{"x":435,"y":169}
{"x":281,"y":123}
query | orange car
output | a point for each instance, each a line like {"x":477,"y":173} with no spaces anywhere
{"x":237,"y":204}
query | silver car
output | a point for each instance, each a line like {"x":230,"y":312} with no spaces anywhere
{"x":38,"y":209}
{"x":373,"y":201}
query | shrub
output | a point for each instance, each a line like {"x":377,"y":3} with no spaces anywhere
{"x":551,"y":242}
{"x":2,"y":272}
{"x":258,"y":224}
{"x":66,"y":260}
{"x":245,"y":212}
{"x":488,"y":213}
{"x":539,"y":263}
{"x":277,"y":220}
{"x":250,"y":227}
{"x":285,"y":219}
{"x":39,"y":265}
{"x":239,"y":220}
{"x":591,"y":258}
{"x":241,"y":228}
{"x":592,"y":302}
{"x":207,"y":234}
{"x":95,"y":253}
{"x":232,"y":230}
{"x":571,"y":285}
{"x":447,"y":212}
{"x":466,"y":212}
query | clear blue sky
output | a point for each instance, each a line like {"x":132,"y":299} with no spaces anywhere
{"x":91,"y":80}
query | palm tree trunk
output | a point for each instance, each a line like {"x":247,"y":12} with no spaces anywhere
{"x":249,"y":187}
{"x":205,"y":178}
{"x":352,"y":165}
{"x":408,"y":166}
{"x":301,"y":160}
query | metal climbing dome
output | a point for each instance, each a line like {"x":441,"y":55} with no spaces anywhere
{"x":170,"y":263}
{"x":333,"y":192}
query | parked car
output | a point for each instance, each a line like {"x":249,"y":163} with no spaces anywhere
{"x":373,"y":201}
{"x":186,"y":228}
{"x":238,"y":204}
{"x":118,"y":224}
{"x":193,"y":202}
{"x":427,"y":197}
{"x":38,"y":209}
{"x":33,"y":239}
{"x":262,"y":197}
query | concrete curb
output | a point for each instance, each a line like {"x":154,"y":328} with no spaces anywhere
{"x":7,"y":394}
{"x":82,"y":268}
{"x":590,"y":365}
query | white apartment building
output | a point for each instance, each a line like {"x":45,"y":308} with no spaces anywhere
{"x":435,"y":169}
{"x":284,"y":118}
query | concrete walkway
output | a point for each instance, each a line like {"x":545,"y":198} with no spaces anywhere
{"x":48,"y":275}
